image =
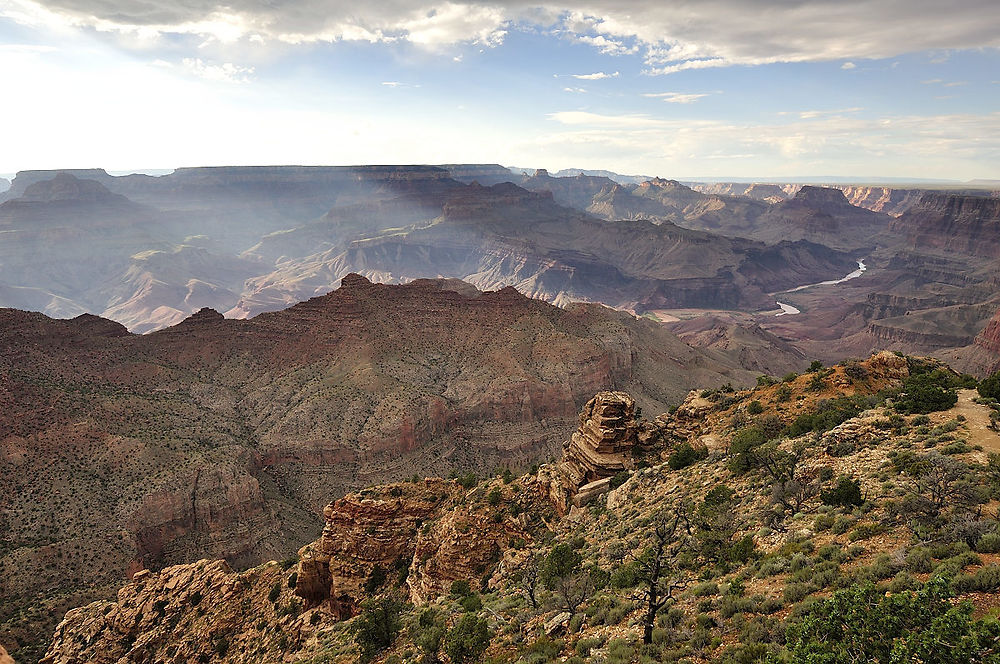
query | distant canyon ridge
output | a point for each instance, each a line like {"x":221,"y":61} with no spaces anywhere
{"x":707,"y":259}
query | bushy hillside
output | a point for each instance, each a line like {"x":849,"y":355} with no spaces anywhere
{"x":845,"y":514}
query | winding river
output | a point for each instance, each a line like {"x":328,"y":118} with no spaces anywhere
{"x":787,"y":309}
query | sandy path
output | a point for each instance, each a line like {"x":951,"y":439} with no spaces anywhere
{"x":977,"y":420}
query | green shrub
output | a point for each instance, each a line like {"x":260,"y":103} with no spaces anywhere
{"x":846,"y":494}
{"x":619,"y":479}
{"x":625,"y":576}
{"x":927,"y":392}
{"x":985,"y":580}
{"x":467,"y":640}
{"x":919,"y":560}
{"x":461,"y":588}
{"x":685,"y":455}
{"x":989,"y":388}
{"x":584,"y":646}
{"x":494,"y":496}
{"x":796,"y":592}
{"x":562,"y":561}
{"x":428,"y":632}
{"x":863,"y":624}
{"x":377,"y":626}
{"x":989,"y":543}
{"x":828,"y":414}
{"x":471,"y":603}
{"x":376,"y":579}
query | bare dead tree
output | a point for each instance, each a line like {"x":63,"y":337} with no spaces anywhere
{"x":527,"y":579}
{"x":657,"y":567}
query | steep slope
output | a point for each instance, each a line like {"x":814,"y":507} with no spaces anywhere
{"x":246,"y":240}
{"x":224,"y":438}
{"x":937,"y":287}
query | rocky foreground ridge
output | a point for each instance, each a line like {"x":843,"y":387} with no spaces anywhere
{"x":801,"y":489}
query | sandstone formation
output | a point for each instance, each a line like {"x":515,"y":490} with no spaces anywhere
{"x":822,"y":215}
{"x":605,"y":444}
{"x":364,"y":531}
{"x":426,"y":534}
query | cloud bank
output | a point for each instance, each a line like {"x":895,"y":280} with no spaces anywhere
{"x":671,"y":36}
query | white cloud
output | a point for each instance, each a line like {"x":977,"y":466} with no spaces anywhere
{"x":677,"y":97}
{"x":574,"y":89}
{"x":597,"y":76}
{"x":225,"y":72}
{"x":21,"y":49}
{"x":671,"y":36}
{"x":809,"y":115}
{"x":848,"y":65}
{"x":608,"y":46}
{"x":690,"y":64}
{"x":603,"y":120}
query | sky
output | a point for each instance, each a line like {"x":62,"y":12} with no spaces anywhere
{"x":710,"y":88}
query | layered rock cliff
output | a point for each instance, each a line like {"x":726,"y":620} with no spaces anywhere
{"x":950,"y":223}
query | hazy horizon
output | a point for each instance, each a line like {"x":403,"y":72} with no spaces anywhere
{"x":763,"y":179}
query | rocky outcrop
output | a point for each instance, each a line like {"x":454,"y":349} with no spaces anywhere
{"x":364,"y":531}
{"x":432,"y":531}
{"x":599,"y":449}
{"x":893,"y":202}
{"x":464,"y":544}
{"x":216,"y":610}
{"x":989,"y":338}
{"x":225,"y":438}
{"x":822,"y":215}
{"x":604,"y":443}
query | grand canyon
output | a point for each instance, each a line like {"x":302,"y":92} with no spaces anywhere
{"x":465,"y":332}
{"x":195,"y":364}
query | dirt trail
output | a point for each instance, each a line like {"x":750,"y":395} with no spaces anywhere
{"x":977,"y":419}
